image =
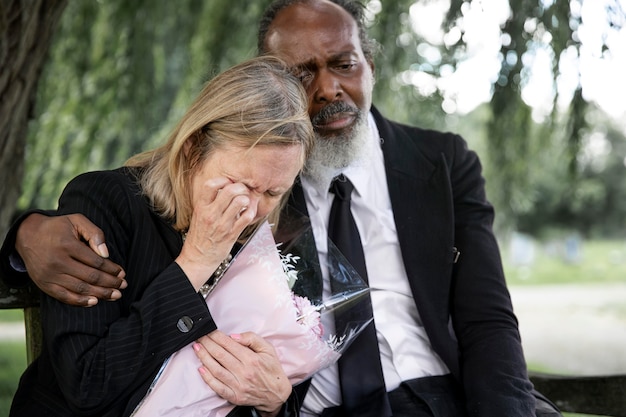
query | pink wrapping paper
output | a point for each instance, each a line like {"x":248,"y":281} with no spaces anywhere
{"x":253,"y":295}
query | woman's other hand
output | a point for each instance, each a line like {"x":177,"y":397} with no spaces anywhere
{"x":243,"y":369}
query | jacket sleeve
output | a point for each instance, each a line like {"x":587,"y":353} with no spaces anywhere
{"x":492,"y":362}
{"x":11,"y":272}
{"x":104,"y":353}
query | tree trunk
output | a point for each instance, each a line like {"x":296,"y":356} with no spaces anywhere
{"x":26,"y":30}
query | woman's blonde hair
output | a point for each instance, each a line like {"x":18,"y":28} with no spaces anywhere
{"x":258,"y":102}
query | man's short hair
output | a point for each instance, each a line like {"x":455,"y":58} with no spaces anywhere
{"x":354,"y":8}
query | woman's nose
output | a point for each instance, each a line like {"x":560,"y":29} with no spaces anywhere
{"x":266,"y":205}
{"x":257,"y":201}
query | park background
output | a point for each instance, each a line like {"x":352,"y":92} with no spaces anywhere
{"x":534,"y":86}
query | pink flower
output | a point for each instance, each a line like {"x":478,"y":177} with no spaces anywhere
{"x":308,"y":315}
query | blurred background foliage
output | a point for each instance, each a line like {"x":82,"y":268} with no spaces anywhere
{"x":121,"y":73}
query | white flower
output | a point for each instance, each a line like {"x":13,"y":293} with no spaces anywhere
{"x":289,"y":261}
{"x":335,"y":343}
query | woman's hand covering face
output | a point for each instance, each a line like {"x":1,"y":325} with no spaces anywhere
{"x":221,"y":212}
{"x":233,"y":188}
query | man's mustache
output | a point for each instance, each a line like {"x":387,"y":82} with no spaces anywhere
{"x":328,"y":111}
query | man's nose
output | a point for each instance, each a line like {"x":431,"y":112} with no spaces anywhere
{"x":326,"y":88}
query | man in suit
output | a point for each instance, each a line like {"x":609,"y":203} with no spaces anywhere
{"x":448,"y":340}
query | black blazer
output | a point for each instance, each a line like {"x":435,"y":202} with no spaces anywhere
{"x":441,"y":213}
{"x":100,"y":361}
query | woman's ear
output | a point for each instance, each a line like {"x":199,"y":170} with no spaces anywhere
{"x":192,"y":151}
{"x":187,"y":146}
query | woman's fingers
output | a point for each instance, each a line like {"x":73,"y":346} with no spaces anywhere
{"x":243,"y":369}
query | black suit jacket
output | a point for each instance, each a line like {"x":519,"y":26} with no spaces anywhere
{"x":100,"y":361}
{"x":441,"y":212}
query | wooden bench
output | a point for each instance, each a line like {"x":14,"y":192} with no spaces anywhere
{"x":597,"y":395}
{"x":26,"y":299}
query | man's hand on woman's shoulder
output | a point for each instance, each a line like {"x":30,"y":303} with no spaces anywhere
{"x":66,"y":257}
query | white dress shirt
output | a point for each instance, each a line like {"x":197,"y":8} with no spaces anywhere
{"x":405,"y":349}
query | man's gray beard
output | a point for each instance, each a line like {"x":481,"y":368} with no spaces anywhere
{"x":330,"y":156}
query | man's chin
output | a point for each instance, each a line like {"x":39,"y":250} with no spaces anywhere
{"x":334,"y":152}
{"x":334,"y":134}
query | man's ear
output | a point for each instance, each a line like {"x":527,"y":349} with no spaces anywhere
{"x":373,"y":68}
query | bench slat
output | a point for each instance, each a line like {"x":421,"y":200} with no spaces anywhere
{"x":11,"y":298}
{"x":600,"y":395}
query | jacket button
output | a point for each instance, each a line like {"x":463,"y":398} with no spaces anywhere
{"x":185,"y":323}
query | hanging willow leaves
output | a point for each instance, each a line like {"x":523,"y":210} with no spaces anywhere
{"x":121,"y":73}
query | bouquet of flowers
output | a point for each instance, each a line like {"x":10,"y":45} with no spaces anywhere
{"x":257,"y":293}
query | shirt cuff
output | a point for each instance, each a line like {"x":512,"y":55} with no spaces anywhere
{"x":16,"y":262}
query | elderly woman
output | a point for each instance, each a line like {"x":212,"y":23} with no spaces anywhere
{"x":171,"y":216}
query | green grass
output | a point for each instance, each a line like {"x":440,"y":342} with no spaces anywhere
{"x":12,"y":361}
{"x":12,"y":364}
{"x":11,"y":316}
{"x":599,"y":262}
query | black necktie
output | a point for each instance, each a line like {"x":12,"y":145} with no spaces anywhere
{"x":360,"y":372}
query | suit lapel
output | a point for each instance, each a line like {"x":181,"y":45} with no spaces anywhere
{"x":421,"y":201}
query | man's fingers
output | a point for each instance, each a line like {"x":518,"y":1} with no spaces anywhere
{"x":99,"y":271}
{"x":62,"y":265}
{"x":68,"y":297}
{"x":89,"y":266}
{"x":90,"y":233}
{"x":96,"y":282}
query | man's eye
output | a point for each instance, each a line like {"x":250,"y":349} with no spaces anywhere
{"x":346,"y":67}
